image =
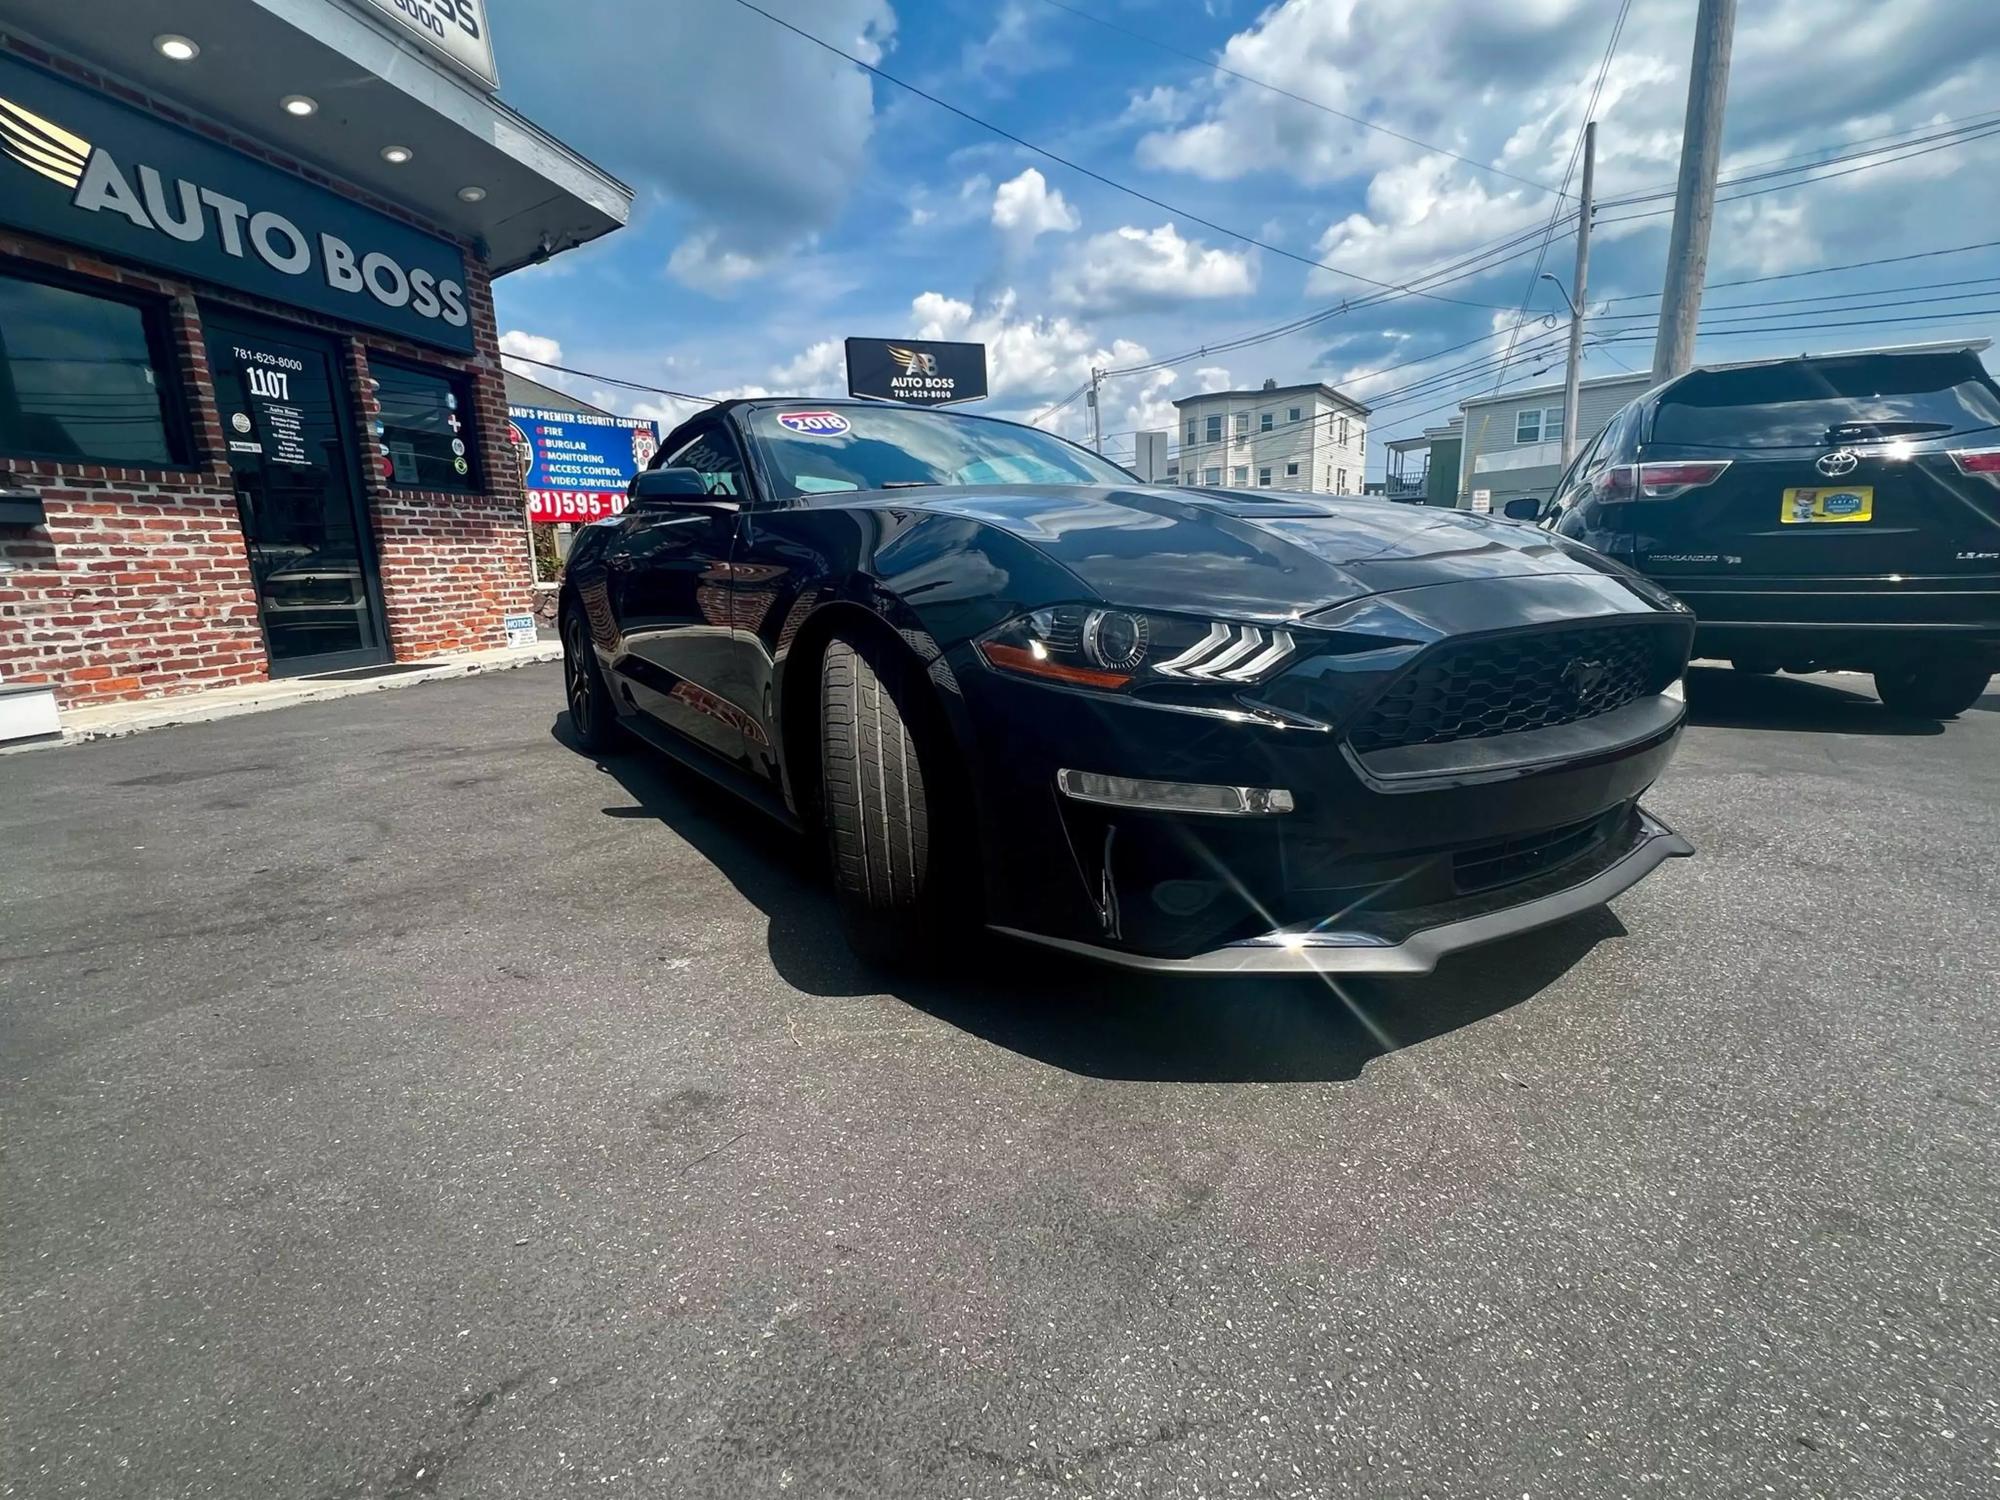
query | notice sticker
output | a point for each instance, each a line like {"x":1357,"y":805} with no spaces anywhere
{"x":814,"y":423}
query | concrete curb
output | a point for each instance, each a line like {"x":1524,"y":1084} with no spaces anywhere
{"x":118,"y":720}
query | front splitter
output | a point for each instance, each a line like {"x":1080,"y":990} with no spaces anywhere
{"x":1354,"y":952}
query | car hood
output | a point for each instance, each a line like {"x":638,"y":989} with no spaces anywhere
{"x":1273,"y":554}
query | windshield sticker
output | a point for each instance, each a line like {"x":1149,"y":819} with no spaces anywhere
{"x":813,"y":423}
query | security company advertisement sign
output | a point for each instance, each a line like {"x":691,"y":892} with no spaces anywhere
{"x":575,"y":464}
{"x":79,"y":167}
{"x":921,"y":371}
{"x":454,"y":28}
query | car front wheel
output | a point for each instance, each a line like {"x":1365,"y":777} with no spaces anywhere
{"x":883,"y":798}
{"x":1932,"y":691}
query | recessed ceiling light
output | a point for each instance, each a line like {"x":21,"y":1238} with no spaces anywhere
{"x":299,"y":104}
{"x":471,"y":194}
{"x":396,"y":155}
{"x":176,"y":48}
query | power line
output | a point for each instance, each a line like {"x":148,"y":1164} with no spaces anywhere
{"x":1853,"y":265}
{"x":1365,"y":124}
{"x":630,"y":385}
{"x":1968,"y":121}
{"x":1955,"y":137}
{"x":1095,"y":176}
{"x":1363,"y":304}
{"x":1753,"y":307}
{"x":1576,"y":150}
{"x":1779,"y":187}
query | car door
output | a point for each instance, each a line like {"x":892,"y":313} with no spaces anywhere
{"x":667,"y":578}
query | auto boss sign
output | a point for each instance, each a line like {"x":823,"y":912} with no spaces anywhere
{"x":924,"y":372}
{"x":88,"y":170}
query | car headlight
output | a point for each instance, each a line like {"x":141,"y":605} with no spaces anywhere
{"x":1088,"y":645}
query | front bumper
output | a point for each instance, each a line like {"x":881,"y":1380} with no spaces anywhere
{"x":1357,"y":944}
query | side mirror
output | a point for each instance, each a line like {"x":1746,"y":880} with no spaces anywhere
{"x":1527,"y":508}
{"x":670,"y":487}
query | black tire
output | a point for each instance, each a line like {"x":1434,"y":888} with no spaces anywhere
{"x":883,"y":796}
{"x":1933,"y":691}
{"x":592,"y":718}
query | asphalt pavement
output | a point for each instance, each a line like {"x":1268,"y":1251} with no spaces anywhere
{"x":400,"y":1103}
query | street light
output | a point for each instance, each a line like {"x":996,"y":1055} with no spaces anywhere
{"x":1550,"y":276}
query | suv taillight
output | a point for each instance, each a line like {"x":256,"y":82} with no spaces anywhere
{"x":1662,"y":481}
{"x":1982,"y":462}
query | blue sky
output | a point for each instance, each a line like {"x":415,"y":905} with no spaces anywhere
{"x":787,"y":199}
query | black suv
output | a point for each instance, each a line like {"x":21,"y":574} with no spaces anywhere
{"x":1821,"y":513}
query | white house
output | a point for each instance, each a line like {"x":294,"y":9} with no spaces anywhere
{"x":1282,"y":437}
{"x":1513,"y":441}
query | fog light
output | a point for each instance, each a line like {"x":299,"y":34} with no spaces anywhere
{"x":1175,"y":796}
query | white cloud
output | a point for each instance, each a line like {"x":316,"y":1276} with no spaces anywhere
{"x":1131,"y":268}
{"x":757,"y":137}
{"x":1026,"y":207}
{"x":1162,"y":104}
{"x":533,"y":346}
{"x":1507,"y":86}
{"x":704,"y":262}
{"x":821,"y":370}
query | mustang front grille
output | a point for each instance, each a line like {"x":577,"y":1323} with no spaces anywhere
{"x":1462,"y":690}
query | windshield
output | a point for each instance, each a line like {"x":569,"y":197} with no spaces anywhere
{"x":828,"y":450}
{"x":1816,"y":403}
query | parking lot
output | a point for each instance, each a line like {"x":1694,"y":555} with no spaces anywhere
{"x":401,"y":1103}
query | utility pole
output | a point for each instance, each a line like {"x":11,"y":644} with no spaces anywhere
{"x":1096,"y":415}
{"x":1694,"y":198}
{"x":1581,"y":295}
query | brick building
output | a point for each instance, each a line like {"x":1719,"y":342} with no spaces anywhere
{"x":252,"y":415}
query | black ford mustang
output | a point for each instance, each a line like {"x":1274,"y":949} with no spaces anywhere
{"x":1179,"y":729}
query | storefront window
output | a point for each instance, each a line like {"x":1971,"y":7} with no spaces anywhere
{"x":424,"y":428}
{"x":83,"y":377}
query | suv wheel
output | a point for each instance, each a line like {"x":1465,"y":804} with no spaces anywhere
{"x":1932,"y":691}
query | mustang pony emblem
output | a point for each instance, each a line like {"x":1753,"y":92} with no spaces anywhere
{"x":1585,"y":678}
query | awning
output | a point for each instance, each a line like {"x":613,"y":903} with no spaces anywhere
{"x":474,"y":168}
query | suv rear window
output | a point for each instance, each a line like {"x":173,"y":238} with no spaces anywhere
{"x":1814,"y":403}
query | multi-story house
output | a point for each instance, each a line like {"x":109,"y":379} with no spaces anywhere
{"x":1282,"y":437}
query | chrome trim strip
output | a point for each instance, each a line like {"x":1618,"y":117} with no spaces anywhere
{"x":1363,"y":953}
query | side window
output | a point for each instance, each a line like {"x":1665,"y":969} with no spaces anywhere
{"x":1565,"y":493}
{"x":714,"y":455}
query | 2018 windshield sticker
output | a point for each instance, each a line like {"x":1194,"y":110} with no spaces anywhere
{"x":813,"y":423}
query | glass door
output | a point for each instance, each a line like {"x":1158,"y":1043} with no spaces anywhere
{"x":298,"y":489}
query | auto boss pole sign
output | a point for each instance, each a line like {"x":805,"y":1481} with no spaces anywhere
{"x":924,"y":372}
{"x":79,"y":167}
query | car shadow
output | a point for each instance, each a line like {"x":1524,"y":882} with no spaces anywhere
{"x":1085,"y":1018}
{"x":1724,"y":698}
